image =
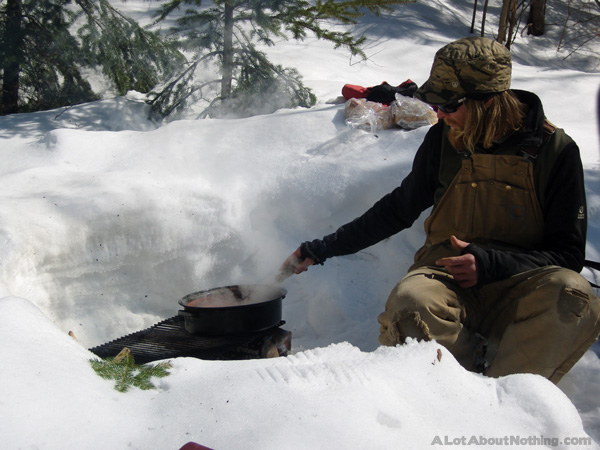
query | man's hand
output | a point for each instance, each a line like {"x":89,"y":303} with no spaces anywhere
{"x":294,"y":264}
{"x":463,"y":268}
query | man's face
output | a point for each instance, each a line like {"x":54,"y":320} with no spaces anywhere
{"x":453,"y":120}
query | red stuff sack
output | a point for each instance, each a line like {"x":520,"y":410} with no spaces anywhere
{"x":353,"y":91}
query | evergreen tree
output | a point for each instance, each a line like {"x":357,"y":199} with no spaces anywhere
{"x":46,"y":44}
{"x":222,"y":39}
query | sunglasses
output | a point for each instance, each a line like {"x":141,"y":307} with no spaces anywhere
{"x":450,"y":108}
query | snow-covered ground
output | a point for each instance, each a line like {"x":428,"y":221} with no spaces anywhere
{"x":107,"y":219}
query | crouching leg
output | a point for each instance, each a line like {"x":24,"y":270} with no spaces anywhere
{"x":425,"y":305}
{"x":555,"y":319}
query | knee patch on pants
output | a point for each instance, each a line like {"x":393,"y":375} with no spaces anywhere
{"x":572,"y":304}
{"x":421,"y":306}
{"x":396,"y":328}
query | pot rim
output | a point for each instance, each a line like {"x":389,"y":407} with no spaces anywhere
{"x":278,"y":292}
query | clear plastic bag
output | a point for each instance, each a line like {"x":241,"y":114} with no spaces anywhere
{"x":410,"y":113}
{"x":366,"y":115}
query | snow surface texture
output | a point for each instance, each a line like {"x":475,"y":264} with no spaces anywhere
{"x":107,"y":219}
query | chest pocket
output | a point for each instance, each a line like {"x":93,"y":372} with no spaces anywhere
{"x":492,"y":198}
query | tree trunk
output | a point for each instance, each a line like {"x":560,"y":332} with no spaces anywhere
{"x":227,"y":78}
{"x":13,"y":48}
{"x":513,"y":24}
{"x":503,"y":26}
{"x":536,"y":19}
{"x":474,"y":14}
{"x":483,"y":17}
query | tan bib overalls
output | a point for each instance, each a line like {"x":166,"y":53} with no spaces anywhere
{"x":540,"y":321}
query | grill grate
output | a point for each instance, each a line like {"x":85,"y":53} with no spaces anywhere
{"x":169,"y":339}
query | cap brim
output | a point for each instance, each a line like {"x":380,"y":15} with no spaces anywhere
{"x":435,"y":96}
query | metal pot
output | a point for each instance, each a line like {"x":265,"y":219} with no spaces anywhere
{"x":232,"y":309}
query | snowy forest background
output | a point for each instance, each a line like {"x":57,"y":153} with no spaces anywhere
{"x":213,"y":57}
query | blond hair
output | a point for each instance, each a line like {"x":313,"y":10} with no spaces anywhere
{"x":486,"y":123}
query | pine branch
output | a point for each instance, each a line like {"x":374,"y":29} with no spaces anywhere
{"x":126,"y":373}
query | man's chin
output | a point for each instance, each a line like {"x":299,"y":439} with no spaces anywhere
{"x":451,"y":123}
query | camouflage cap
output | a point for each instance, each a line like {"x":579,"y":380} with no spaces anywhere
{"x":468,"y":67}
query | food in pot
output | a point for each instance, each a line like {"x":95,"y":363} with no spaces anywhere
{"x":231,"y":296}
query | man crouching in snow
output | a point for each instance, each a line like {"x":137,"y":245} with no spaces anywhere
{"x":497,"y":281}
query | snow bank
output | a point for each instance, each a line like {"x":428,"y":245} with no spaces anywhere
{"x":336,"y":397}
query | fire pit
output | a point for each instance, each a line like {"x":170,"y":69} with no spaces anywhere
{"x":235,"y":322}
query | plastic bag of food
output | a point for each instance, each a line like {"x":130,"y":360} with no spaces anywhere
{"x":366,"y":115}
{"x":410,"y":113}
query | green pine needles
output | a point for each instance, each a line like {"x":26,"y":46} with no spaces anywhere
{"x":49,"y":48}
{"x":228,"y":73}
{"x":126,"y":373}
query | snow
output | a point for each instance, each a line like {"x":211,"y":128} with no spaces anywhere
{"x":108,"y":219}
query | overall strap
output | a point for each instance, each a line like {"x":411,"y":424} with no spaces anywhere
{"x":532,"y":151}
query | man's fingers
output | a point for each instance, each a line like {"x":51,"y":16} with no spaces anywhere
{"x":462,"y":268}
{"x":296,"y":264}
{"x":457,"y":243}
{"x":454,"y":260}
{"x":303,"y":266}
